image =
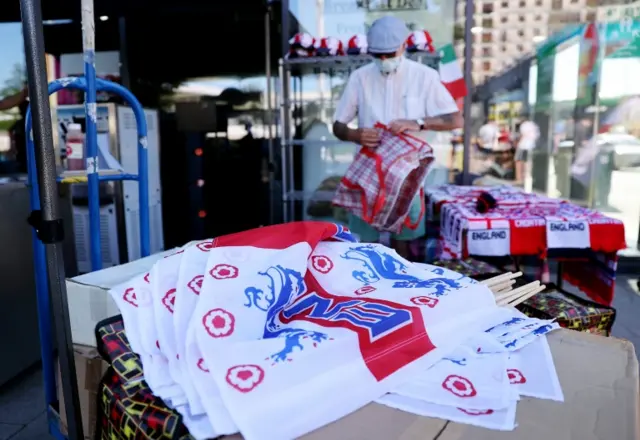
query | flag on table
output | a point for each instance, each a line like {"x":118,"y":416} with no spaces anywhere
{"x":451,"y":73}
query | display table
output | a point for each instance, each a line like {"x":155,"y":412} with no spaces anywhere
{"x":599,"y":378}
{"x":523,"y":224}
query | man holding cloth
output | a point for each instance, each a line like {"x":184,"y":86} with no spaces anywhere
{"x":404,"y":95}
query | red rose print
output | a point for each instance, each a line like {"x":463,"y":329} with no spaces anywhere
{"x":245,"y":378}
{"x":476,"y":412}
{"x":321,"y":263}
{"x":364,"y":290}
{"x":169,"y":299}
{"x":196,"y":284}
{"x":424,"y":301}
{"x":202,"y":366}
{"x":515,"y":376}
{"x":460,"y":386}
{"x":146,"y":278}
{"x":224,"y":272}
{"x":130,"y":297}
{"x":219,"y":323}
{"x":205,"y":246}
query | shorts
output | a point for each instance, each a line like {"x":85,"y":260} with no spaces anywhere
{"x":522,"y":155}
{"x":367,"y":234}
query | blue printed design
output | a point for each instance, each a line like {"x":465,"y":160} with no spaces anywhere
{"x":344,"y":234}
{"x":462,"y":361}
{"x":511,"y":344}
{"x":285,"y":285}
{"x":543,"y":330}
{"x":379,"y":265}
{"x":509,"y":323}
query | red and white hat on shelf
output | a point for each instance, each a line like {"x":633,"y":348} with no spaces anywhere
{"x":357,"y":45}
{"x":420,"y":41}
{"x":329,"y":46}
{"x":301,"y":45}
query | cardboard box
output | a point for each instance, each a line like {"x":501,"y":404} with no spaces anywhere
{"x":89,"y":371}
{"x":89,"y":299}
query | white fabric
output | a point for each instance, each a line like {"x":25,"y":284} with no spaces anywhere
{"x":277,"y":321}
{"x":307,"y":357}
{"x":529,"y":134}
{"x":488,"y":135}
{"x":413,"y":92}
{"x":532,"y":372}
{"x":481,"y":382}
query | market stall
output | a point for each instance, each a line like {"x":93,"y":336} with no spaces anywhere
{"x":504,"y":221}
{"x":298,"y":330}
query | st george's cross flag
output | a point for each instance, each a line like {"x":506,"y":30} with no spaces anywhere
{"x":291,"y":327}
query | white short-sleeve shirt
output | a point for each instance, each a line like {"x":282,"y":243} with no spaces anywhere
{"x":414,"y":91}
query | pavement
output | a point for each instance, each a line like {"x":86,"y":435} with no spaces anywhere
{"x":22,"y":408}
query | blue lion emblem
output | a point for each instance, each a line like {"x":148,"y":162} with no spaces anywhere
{"x":285,"y":285}
{"x":378,"y":265}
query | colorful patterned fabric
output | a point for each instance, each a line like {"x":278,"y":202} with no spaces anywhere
{"x":128,"y":410}
{"x":380,"y":185}
{"x":469,"y":267}
{"x":570,"y":311}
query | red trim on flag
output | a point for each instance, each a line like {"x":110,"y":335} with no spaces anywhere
{"x":457,"y":88}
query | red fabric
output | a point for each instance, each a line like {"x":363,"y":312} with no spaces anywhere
{"x":381,"y":184}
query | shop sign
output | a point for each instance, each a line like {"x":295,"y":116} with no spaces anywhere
{"x":400,"y":5}
{"x":617,"y":12}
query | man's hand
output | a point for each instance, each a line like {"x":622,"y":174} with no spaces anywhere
{"x":368,"y":137}
{"x":403,"y":125}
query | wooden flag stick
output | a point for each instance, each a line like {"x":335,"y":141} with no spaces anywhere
{"x":525,"y":297}
{"x":517,"y":292}
{"x":501,"y":278}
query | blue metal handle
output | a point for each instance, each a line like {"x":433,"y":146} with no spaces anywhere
{"x":41,"y":278}
{"x":79,"y":83}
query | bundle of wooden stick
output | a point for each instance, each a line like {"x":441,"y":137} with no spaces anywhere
{"x":506,"y":295}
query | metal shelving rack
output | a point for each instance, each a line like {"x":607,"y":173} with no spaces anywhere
{"x":291,"y":71}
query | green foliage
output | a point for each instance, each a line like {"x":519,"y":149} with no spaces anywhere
{"x":5,"y":125}
{"x":15,"y":82}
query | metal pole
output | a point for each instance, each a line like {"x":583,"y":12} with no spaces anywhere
{"x":602,"y":48}
{"x":286,"y":107}
{"x":269,"y":109}
{"x":468,"y":63}
{"x":51,"y":223}
{"x":125,"y":77}
{"x":91,"y":135}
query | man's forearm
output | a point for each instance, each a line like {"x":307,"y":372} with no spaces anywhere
{"x":448,"y":122}
{"x":344,"y":133}
{"x":11,"y":101}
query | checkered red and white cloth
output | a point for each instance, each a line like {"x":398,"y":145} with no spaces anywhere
{"x":381,"y":183}
{"x":504,"y":195}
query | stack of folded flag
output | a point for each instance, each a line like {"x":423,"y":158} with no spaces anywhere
{"x":241,"y":333}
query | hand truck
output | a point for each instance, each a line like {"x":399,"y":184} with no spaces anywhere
{"x":43,"y":180}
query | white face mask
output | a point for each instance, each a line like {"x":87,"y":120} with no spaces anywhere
{"x":389,"y":65}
